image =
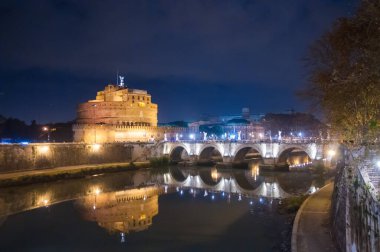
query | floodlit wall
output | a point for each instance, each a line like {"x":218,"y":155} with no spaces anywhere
{"x":16,"y":157}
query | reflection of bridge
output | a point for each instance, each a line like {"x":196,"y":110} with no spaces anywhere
{"x":241,"y":184}
{"x":269,"y":152}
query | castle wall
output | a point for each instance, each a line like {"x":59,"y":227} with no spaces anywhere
{"x":94,"y":133}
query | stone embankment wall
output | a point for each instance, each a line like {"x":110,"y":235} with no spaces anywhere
{"x":16,"y":157}
{"x":355,"y":209}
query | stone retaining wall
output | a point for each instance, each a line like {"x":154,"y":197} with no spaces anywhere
{"x":16,"y":157}
{"x":355,"y":211}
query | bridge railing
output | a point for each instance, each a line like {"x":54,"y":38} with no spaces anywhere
{"x":258,"y":141}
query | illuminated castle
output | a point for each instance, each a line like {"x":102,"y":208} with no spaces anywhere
{"x":118,"y":114}
{"x":119,"y":105}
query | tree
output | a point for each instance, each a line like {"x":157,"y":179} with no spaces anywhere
{"x":344,"y":67}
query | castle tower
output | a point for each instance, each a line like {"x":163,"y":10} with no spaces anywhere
{"x":117,"y":114}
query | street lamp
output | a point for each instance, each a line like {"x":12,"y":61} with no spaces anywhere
{"x":47,"y":130}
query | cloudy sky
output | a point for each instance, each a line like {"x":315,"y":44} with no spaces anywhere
{"x":195,"y":57}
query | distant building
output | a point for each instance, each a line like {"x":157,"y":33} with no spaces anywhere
{"x":240,"y":127}
{"x":119,"y":114}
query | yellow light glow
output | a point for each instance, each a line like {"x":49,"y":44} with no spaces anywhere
{"x":44,"y":200}
{"x":43,"y":149}
{"x":214,"y":174}
{"x":97,"y":191}
{"x":255,"y":170}
{"x":96,"y":147}
{"x":331,"y":153}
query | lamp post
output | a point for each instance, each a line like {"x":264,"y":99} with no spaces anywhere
{"x":48,"y":130}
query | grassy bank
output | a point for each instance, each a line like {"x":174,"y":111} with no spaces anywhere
{"x":49,"y":175}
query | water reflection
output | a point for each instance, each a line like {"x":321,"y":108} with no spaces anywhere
{"x":122,"y":211}
{"x":128,"y":202}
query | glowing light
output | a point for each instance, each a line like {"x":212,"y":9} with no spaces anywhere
{"x":251,"y":202}
{"x":181,"y":192}
{"x":97,"y":191}
{"x":214,"y":174}
{"x":205,"y":193}
{"x":192,"y":136}
{"x":239,"y":197}
{"x":213,"y":197}
{"x":331,"y":153}
{"x":255,"y":171}
{"x":45,"y":128}
{"x":44,"y":200}
{"x":261,"y":200}
{"x":166,"y":189}
{"x":43,"y":149}
{"x":96,"y":147}
{"x":378,"y":164}
{"x":24,"y":143}
{"x":261,"y":135}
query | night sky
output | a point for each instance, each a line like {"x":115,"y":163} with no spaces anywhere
{"x":194,"y":57}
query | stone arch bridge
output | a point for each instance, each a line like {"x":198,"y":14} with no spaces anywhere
{"x":232,"y":152}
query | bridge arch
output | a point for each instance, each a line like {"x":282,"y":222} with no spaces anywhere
{"x":294,"y":155}
{"x":210,"y":177}
{"x":178,"y":174}
{"x":242,"y":153}
{"x":210,"y":154}
{"x":178,"y":153}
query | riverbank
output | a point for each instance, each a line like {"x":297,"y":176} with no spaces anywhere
{"x":65,"y":172}
{"x":311,"y":227}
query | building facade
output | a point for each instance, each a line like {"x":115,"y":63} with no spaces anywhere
{"x":232,"y":127}
{"x":119,"y":114}
{"x":119,"y":106}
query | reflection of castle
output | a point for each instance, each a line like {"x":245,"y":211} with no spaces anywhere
{"x":123,"y":211}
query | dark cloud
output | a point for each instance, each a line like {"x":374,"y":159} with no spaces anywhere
{"x":250,"y":47}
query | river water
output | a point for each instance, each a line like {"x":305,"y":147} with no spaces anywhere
{"x":169,"y":209}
